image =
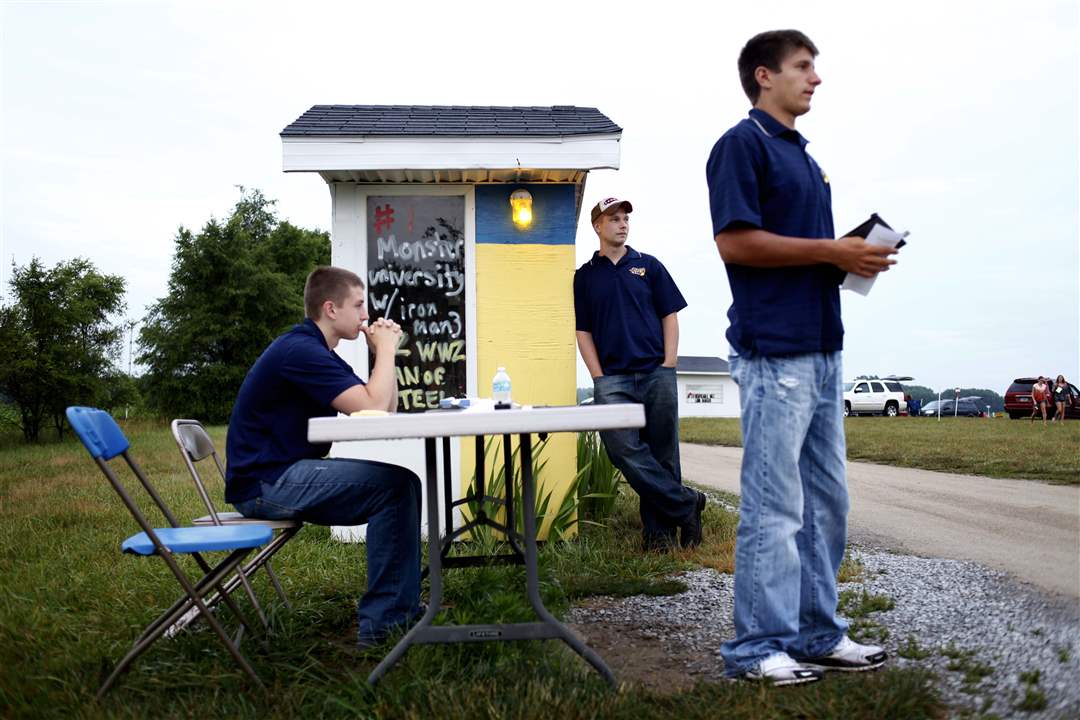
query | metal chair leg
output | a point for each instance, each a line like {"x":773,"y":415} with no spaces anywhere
{"x":277,"y":585}
{"x":251,"y":596}
{"x":148,"y":639}
{"x":262,"y":557}
{"x":185,"y":607}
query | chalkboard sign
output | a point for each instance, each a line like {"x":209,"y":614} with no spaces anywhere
{"x":416,"y":277}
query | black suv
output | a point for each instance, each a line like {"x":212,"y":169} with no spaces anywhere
{"x":964,"y":407}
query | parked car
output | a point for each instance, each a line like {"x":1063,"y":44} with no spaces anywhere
{"x":964,"y":407}
{"x":1018,"y":401}
{"x":876,"y":397}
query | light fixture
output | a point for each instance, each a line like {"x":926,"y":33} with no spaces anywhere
{"x":521,"y":208}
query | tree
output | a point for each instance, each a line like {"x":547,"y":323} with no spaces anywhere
{"x":233,"y":288}
{"x":57,"y":342}
{"x":921,"y":393}
{"x":986,"y":397}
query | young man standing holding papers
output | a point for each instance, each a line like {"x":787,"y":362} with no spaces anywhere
{"x":626,"y":312}
{"x":772,"y":221}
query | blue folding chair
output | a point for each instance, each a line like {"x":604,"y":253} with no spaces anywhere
{"x":104,"y":441}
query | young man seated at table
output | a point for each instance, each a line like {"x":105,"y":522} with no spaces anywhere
{"x":274,"y":473}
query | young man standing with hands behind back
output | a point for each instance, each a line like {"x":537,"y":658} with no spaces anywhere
{"x":771,"y":210}
{"x":626,"y":307}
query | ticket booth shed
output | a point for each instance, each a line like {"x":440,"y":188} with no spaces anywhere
{"x":462,"y":222}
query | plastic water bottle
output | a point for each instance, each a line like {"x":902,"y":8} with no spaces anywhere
{"x":500,"y":387}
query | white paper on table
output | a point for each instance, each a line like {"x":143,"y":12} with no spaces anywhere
{"x":879,"y":235}
{"x":480,"y":405}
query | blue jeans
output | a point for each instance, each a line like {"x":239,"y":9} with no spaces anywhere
{"x":793,"y":509}
{"x":649,"y":458}
{"x":353,"y":492}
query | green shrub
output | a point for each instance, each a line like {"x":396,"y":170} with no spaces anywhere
{"x":562,"y":519}
{"x":599,"y":480}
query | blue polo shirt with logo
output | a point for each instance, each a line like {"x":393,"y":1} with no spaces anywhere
{"x":295,"y":379}
{"x":621,"y":305}
{"x":760,"y":176}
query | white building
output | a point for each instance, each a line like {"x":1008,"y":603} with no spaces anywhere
{"x":706,"y":388}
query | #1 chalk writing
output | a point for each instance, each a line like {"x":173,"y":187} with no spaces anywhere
{"x":416,"y":276}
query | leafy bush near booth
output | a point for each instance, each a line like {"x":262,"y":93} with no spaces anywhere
{"x":599,"y":481}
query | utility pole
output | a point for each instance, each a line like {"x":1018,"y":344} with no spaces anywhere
{"x":130,"y":324}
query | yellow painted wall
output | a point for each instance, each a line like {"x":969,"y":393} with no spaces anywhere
{"x":525,"y":323}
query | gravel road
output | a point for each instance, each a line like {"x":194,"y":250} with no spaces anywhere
{"x":1024,"y":527}
{"x":948,"y":550}
{"x":983,"y":634}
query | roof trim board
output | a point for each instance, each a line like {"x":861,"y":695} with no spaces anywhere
{"x":341,"y":153}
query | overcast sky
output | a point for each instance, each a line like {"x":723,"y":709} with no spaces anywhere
{"x":957,"y":121}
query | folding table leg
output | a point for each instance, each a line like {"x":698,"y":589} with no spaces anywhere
{"x":532,"y":574}
{"x":448,"y":491}
{"x":434,"y":563}
{"x":511,"y":515}
{"x":508,"y":489}
{"x":548,"y":627}
{"x":480,"y":465}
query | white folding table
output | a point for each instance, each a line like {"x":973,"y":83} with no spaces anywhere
{"x":445,"y":424}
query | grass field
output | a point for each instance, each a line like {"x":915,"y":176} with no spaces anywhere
{"x":972,"y":446}
{"x":70,"y":605}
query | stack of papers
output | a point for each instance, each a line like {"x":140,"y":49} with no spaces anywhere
{"x":877,"y":232}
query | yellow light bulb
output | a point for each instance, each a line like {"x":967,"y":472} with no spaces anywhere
{"x":521,"y":208}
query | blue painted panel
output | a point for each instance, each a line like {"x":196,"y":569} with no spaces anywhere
{"x":554,"y":215}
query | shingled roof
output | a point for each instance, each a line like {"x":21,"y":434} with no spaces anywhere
{"x":698,"y":363}
{"x":450,"y":120}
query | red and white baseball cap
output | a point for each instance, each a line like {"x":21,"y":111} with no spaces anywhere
{"x":607,"y":204}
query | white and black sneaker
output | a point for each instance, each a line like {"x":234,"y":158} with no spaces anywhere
{"x":850,"y":656}
{"x":781,"y":669}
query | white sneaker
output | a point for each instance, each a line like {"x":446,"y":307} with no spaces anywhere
{"x":850,"y":656}
{"x":780,"y":669}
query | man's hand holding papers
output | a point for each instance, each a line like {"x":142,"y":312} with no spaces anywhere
{"x":858,"y":256}
{"x":870,"y":245}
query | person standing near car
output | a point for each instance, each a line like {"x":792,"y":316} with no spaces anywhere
{"x":626,"y":317}
{"x":1061,"y":398}
{"x":772,"y":222}
{"x":1039,"y":393}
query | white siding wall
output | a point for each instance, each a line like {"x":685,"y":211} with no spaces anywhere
{"x":348,"y":249}
{"x":707,"y":395}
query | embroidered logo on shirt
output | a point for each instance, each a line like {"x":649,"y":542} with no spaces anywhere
{"x":824,"y":175}
{"x":820,"y":169}
{"x":640,"y":272}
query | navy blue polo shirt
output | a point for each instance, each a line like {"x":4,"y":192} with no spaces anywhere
{"x":622,"y":305}
{"x":760,"y":176}
{"x":296,"y":378}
